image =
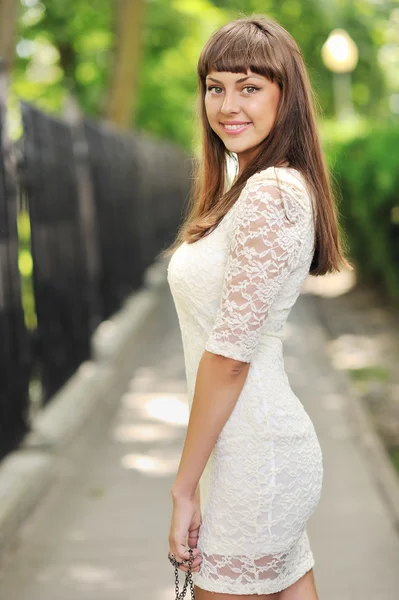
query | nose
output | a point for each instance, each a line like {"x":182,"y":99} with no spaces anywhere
{"x":230,"y":104}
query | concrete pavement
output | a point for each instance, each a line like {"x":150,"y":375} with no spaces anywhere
{"x":101,"y":532}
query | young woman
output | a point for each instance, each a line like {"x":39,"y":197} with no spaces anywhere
{"x":251,"y":470}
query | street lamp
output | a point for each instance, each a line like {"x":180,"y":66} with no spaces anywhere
{"x":340,"y":55}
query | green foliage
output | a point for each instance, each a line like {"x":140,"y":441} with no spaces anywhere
{"x":365,"y":22}
{"x":64,"y":46}
{"x":309,"y":24}
{"x":371,"y":372}
{"x":25,"y":265}
{"x":69,"y":46}
{"x":394,"y":454}
{"x":174,"y":35}
{"x":367,"y":171}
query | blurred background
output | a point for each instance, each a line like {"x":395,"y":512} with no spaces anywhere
{"x":98,"y":136}
{"x":134,"y":64}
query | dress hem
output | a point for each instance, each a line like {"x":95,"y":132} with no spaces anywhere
{"x":259,"y":588}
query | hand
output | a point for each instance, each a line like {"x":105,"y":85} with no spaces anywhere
{"x":186,"y":521}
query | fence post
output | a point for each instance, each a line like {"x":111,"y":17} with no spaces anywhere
{"x":87,"y":210}
{"x":14,"y":346}
{"x":48,"y":176}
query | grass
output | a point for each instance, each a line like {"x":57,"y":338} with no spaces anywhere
{"x":372,"y":372}
{"x":394,"y":454}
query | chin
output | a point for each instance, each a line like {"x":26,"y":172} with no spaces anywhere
{"x":239,"y":149}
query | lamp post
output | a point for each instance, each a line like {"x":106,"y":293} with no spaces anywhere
{"x":340,"y":55}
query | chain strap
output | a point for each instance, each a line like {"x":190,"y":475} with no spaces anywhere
{"x":188,"y":580}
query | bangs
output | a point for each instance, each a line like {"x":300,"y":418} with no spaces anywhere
{"x":239,"y":49}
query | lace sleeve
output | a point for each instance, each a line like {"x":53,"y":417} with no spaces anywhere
{"x":266,"y":243}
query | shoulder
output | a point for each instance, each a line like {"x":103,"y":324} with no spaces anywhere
{"x":287,"y":178}
{"x":281,"y":188}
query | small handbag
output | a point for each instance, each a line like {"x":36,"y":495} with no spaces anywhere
{"x":188,"y":579}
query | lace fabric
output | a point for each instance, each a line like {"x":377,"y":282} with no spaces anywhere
{"x":233,"y":291}
{"x":265,"y":248}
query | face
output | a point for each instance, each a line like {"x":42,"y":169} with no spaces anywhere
{"x":241,"y":109}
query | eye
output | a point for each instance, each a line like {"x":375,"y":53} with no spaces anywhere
{"x":251,"y":87}
{"x":213,"y":87}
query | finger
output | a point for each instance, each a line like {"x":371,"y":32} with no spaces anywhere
{"x":173,"y":552}
{"x":192,"y":570}
{"x":194,"y":567}
{"x":194,"y":563}
{"x":185,"y":554}
{"x":186,"y":557}
{"x":192,"y":538}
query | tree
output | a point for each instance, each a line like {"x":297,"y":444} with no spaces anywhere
{"x":82,"y":47}
{"x":64,"y":47}
{"x":8,"y":16}
{"x":122,"y":93}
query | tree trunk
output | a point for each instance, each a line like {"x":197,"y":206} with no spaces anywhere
{"x":8,"y":16}
{"x":123,"y":88}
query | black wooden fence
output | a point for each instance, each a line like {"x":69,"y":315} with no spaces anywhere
{"x":59,"y":265}
{"x":115,"y":173}
{"x":14,"y":357}
{"x":102,"y":205}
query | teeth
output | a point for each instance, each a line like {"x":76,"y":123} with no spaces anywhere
{"x":232,"y":127}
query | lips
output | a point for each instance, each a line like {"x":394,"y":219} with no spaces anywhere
{"x":235,"y":127}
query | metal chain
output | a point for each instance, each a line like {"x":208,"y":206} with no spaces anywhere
{"x":189,"y":580}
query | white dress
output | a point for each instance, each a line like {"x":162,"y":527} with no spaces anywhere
{"x":233,"y":291}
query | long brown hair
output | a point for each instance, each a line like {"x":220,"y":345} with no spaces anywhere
{"x":262,"y":45}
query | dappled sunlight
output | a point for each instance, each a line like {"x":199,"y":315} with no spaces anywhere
{"x":153,"y":463}
{"x":143,"y":380}
{"x":91,"y":574}
{"x":105,"y":332}
{"x":169,"y":408}
{"x":330,"y":285}
{"x":348,"y":351}
{"x":87,"y":368}
{"x":354,"y":352}
{"x":144,"y":432}
{"x":82,"y":578}
{"x":99,"y":108}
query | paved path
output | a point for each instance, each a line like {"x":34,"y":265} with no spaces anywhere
{"x":101,"y":533}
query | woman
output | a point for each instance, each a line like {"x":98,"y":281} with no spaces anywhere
{"x":251,"y":470}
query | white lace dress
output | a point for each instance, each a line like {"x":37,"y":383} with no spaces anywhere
{"x":233,"y":291}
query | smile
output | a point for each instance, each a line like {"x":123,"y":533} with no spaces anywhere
{"x":235,"y":129}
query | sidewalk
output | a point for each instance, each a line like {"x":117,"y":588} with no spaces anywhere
{"x":101,"y":532}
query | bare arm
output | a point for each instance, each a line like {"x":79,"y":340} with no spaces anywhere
{"x":218,"y":386}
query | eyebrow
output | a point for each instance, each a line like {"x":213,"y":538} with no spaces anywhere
{"x":238,"y":80}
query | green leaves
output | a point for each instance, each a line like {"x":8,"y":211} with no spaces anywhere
{"x":368,"y":172}
{"x":70,"y":43}
{"x":64,"y":45}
